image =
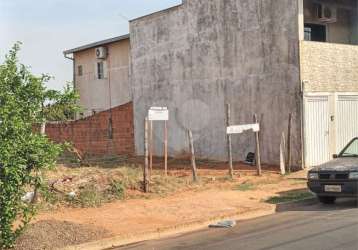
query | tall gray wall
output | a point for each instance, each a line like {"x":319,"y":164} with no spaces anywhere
{"x":196,"y":57}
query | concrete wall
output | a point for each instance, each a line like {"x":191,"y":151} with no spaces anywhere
{"x":328,"y":67}
{"x":95,"y":93}
{"x":196,"y":57}
{"x":342,"y":31}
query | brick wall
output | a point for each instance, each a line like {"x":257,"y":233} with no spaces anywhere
{"x":329,"y":67}
{"x":91,"y":135}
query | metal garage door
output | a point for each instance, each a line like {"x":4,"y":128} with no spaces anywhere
{"x":316,"y":130}
{"x":347,"y":120}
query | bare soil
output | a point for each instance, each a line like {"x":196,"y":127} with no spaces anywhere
{"x":54,"y":234}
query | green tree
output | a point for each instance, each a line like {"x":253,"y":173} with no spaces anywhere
{"x":24,"y":152}
{"x":59,"y":106}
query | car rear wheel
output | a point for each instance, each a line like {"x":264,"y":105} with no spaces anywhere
{"x":327,"y":199}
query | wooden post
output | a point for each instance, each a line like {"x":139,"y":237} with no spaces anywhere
{"x":151,"y":145}
{"x":146,"y":163}
{"x":288,"y":160}
{"x":282,"y":154}
{"x":38,"y":173}
{"x":258,"y":153}
{"x":229,"y":144}
{"x":192,"y":153}
{"x":166,"y":148}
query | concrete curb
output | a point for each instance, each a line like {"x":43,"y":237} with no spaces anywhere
{"x":185,"y":228}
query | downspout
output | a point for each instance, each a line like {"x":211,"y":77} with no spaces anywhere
{"x":73,"y":69}
{"x":301,"y":24}
{"x":74,"y":73}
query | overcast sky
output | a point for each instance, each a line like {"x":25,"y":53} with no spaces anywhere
{"x":48,"y":27}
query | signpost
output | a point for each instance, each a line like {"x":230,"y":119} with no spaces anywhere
{"x":239,"y":129}
{"x":256,"y":129}
{"x":159,"y":114}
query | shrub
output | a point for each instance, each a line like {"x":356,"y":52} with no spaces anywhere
{"x":24,"y":153}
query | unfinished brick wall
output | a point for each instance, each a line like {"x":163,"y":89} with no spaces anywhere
{"x":91,"y":135}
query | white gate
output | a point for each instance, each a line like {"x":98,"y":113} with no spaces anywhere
{"x":347,"y":120}
{"x":316,"y":109}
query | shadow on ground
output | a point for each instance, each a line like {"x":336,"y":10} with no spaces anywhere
{"x":312,"y":204}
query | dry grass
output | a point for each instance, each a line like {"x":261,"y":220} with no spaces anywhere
{"x":94,"y":185}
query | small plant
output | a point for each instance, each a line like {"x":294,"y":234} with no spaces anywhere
{"x":290,"y":196}
{"x":245,"y":187}
{"x":117,"y":189}
{"x":89,"y":196}
{"x":49,"y":197}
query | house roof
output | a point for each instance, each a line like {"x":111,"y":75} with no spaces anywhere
{"x":96,"y":44}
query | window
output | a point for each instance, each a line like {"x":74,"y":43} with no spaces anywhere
{"x":100,"y":70}
{"x":308,"y":32}
{"x":315,"y":32}
{"x":351,"y":150}
{"x":80,"y":70}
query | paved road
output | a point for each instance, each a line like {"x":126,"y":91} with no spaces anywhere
{"x":311,"y":227}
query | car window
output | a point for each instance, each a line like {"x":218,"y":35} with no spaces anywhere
{"x":351,"y":149}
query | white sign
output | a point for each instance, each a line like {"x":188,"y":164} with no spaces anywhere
{"x":158,"y":114}
{"x":239,"y":129}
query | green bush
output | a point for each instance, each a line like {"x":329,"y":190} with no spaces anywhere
{"x":24,"y":153}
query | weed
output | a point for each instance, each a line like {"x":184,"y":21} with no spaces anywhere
{"x":245,"y":187}
{"x":290,"y":196}
{"x":132,"y":176}
{"x":49,"y":197}
{"x":117,"y":189}
{"x":89,"y":196}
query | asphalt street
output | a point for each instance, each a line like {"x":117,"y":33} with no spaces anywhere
{"x":317,"y":226}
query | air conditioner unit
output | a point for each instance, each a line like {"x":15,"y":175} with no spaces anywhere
{"x":326,"y":13}
{"x":101,"y":53}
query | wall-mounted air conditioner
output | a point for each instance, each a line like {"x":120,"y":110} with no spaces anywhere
{"x":326,"y":13}
{"x":101,"y":53}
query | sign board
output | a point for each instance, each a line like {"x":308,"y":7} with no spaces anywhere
{"x":239,"y":129}
{"x":158,"y":114}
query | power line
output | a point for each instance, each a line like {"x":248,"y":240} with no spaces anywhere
{"x":123,"y":17}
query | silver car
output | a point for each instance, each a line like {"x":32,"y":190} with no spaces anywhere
{"x":338,"y":177}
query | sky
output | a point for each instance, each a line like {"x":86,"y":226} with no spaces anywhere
{"x":48,"y":27}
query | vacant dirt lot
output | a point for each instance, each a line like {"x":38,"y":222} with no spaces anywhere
{"x":174,"y":200}
{"x":55,"y":234}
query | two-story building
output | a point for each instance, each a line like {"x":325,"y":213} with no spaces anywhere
{"x":329,"y":75}
{"x":269,"y":57}
{"x":101,"y":74}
